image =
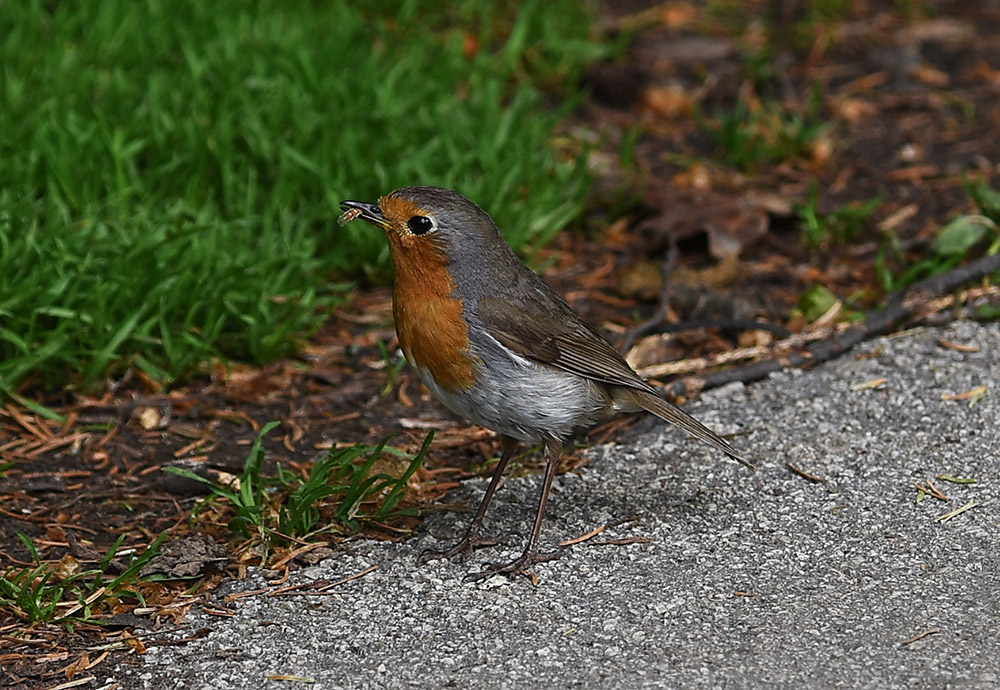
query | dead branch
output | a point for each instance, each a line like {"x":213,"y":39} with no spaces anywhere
{"x":901,"y":305}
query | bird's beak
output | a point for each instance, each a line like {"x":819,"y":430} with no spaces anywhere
{"x":365,"y":211}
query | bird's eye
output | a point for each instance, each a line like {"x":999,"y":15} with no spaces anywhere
{"x":420,"y":225}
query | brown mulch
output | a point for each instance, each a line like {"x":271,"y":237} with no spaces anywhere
{"x":914,"y":108}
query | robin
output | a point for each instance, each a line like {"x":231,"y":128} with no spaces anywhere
{"x":497,"y":346}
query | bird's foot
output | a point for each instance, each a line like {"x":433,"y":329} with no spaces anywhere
{"x":516,"y":567}
{"x":464,"y":548}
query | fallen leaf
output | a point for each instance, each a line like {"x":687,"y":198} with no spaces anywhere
{"x":668,"y":101}
{"x":928,"y":76}
{"x":957,"y":346}
{"x":677,"y":15}
{"x":961,"y":234}
{"x":731,"y":225}
{"x":78,"y":666}
{"x":67,"y":567}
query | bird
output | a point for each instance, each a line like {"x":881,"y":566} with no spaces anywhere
{"x":497,"y":346}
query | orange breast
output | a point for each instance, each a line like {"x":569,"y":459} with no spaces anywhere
{"x":429,"y":323}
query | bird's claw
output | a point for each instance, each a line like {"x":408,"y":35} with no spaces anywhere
{"x":519,"y":566}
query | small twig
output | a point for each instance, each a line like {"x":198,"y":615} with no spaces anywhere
{"x":221,"y":613}
{"x":243,"y":595}
{"x":589,"y":535}
{"x":281,"y":580}
{"x":312,"y":586}
{"x":73,"y":683}
{"x":920,"y":636}
{"x":298,"y":552}
{"x":956,"y":480}
{"x":355,"y":576}
{"x":956,"y":512}
{"x":936,"y":491}
{"x":961,"y":347}
{"x":930,"y":490}
{"x":98,"y":660}
{"x":318,"y":586}
{"x":803,"y":473}
{"x":870,"y":384}
{"x":76,"y":606}
{"x":901,"y":305}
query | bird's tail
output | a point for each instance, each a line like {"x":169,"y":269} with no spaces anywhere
{"x":667,"y":412}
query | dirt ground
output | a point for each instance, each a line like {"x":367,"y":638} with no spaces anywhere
{"x":904,"y":107}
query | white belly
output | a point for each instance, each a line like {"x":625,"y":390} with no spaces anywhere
{"x":527,"y":401}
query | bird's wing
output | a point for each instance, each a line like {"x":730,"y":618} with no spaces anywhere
{"x":541,"y":327}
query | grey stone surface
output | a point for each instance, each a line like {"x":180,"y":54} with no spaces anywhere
{"x":747,"y":580}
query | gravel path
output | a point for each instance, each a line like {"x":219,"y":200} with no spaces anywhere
{"x":732,"y":580}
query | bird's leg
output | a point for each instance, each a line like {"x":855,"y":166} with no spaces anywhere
{"x":472,"y":540}
{"x":531,"y":553}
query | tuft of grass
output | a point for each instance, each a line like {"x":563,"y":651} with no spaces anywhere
{"x":954,"y":242}
{"x":839,"y":226}
{"x":986,"y":199}
{"x":171,"y":171}
{"x":343,"y":489}
{"x":755,"y":133}
{"x":393,"y":366}
{"x":781,"y":25}
{"x":54,"y":592}
{"x":817,"y":18}
{"x":354,"y":485}
{"x":246,"y":496}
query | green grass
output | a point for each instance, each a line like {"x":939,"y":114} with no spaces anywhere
{"x":349,"y":488}
{"x":955,"y":241}
{"x":51,"y":592}
{"x":171,"y":171}
{"x":796,"y":25}
{"x":248,"y":498}
{"x":839,"y":226}
{"x":756,"y":133}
